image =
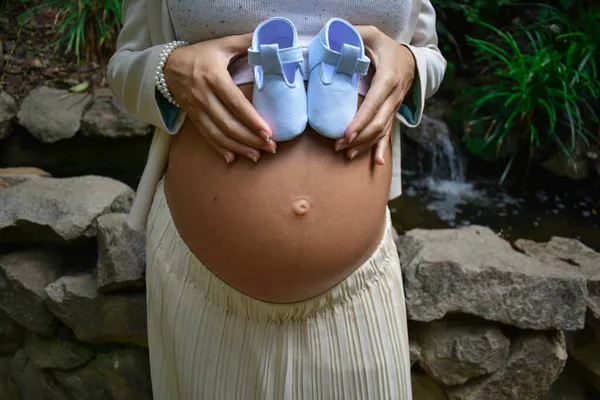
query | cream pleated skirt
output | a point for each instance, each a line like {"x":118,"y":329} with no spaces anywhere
{"x":208,"y":341}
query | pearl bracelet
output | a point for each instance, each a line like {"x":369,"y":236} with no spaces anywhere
{"x":159,"y":78}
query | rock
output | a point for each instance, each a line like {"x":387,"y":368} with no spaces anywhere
{"x":52,"y":114}
{"x":413,"y":346}
{"x":571,"y":254}
{"x":116,"y":318}
{"x":14,"y":176}
{"x":593,"y":316}
{"x":106,"y":117}
{"x":59,"y":210}
{"x":8,"y":109}
{"x":11,"y":335}
{"x":577,"y":167}
{"x":59,"y":352}
{"x":23,"y":278}
{"x":120,"y":158}
{"x":425,"y":388}
{"x":568,"y":386}
{"x":8,"y":389}
{"x":122,"y":254}
{"x":593,"y":155}
{"x":429,"y":133}
{"x":564,"y":253}
{"x":594,"y":323}
{"x":454,"y":351}
{"x":22,"y":171}
{"x":473,"y":271}
{"x":437,"y":107}
{"x":119,"y":374}
{"x":535,"y":362}
{"x":408,"y":248}
{"x":33,"y":383}
{"x":587,"y":359}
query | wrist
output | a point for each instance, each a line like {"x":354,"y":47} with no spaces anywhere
{"x":173,"y":64}
{"x":409,"y":62}
{"x":166,"y":62}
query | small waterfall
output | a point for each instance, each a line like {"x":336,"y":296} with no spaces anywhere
{"x":447,"y":163}
{"x":439,"y":160}
{"x":440,"y":177}
{"x":439,"y":172}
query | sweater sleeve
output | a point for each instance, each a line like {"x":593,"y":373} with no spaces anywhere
{"x":132,"y":69}
{"x":431,"y":66}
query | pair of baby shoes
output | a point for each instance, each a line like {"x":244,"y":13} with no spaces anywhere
{"x":336,"y":59}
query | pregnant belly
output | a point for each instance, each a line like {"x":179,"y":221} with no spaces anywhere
{"x":286,"y":228}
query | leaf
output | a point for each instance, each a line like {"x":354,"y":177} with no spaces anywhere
{"x":81,"y":87}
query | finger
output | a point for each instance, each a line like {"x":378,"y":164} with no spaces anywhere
{"x":233,"y":98}
{"x":212,"y":131}
{"x":226,"y":154}
{"x":355,"y":151}
{"x":380,"y":149}
{"x":378,"y":124}
{"x":236,"y":44}
{"x":373,"y":128}
{"x":380,"y":89}
{"x":233,"y":128}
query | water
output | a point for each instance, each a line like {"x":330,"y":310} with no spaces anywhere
{"x":438,"y":194}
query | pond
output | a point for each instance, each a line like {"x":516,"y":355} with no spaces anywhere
{"x":442,"y":189}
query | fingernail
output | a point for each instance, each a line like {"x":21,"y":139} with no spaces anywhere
{"x":263,"y":134}
{"x":252,"y":156}
{"x":270,"y":149}
{"x":228,"y":158}
{"x":341,"y":146}
{"x":352,"y":137}
{"x":353,"y":154}
{"x":271,"y":146}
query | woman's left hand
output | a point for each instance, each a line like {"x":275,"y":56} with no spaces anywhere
{"x":394,"y":74}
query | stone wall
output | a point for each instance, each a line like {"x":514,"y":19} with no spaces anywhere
{"x":488,"y":320}
{"x":72,"y":134}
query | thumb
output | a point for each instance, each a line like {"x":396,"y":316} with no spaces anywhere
{"x":238,"y":44}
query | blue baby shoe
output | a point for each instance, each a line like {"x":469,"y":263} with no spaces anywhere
{"x":336,"y":58}
{"x":279,"y":94}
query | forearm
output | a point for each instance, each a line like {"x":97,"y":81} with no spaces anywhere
{"x":430,"y":66}
{"x":131,"y":71}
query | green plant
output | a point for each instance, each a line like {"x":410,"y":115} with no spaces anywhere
{"x":473,"y":10}
{"x":544,"y":91}
{"x":456,"y":19}
{"x":86,"y":28}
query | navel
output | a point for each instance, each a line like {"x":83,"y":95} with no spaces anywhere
{"x":300,"y":207}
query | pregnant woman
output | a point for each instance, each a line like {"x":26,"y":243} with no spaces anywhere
{"x":271,"y":269}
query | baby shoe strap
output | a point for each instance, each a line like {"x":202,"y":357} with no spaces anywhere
{"x":271,"y":58}
{"x":349,"y":61}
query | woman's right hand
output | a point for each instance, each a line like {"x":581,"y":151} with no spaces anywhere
{"x":198,"y":78}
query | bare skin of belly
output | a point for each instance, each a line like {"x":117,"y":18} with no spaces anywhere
{"x":284,"y":229}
